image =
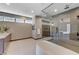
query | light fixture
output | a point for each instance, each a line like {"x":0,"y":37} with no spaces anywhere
{"x":32,"y":11}
{"x":8,"y":4}
{"x":55,"y":10}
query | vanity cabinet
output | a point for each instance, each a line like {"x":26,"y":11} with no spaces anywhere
{"x":4,"y":41}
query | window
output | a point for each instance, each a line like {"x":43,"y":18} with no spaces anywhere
{"x":9,"y":19}
{"x":1,"y":18}
{"x":19,"y":20}
{"x":28,"y":20}
{"x":68,"y":28}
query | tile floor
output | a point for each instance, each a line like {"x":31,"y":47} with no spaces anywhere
{"x":22,"y":47}
{"x":70,"y":45}
{"x":35,"y":47}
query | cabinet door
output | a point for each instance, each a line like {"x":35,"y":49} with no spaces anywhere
{"x":1,"y":46}
{"x":6,"y":42}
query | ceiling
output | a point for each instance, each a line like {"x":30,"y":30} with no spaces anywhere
{"x":28,"y":9}
{"x":57,"y":8}
{"x":42,"y":9}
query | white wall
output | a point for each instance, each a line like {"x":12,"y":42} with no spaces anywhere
{"x":19,"y":30}
{"x":47,"y":21}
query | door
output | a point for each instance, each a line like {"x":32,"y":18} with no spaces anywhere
{"x":45,"y":30}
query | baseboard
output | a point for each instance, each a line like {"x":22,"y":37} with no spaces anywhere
{"x":20,"y":39}
{"x":36,"y":38}
{"x":25,"y":38}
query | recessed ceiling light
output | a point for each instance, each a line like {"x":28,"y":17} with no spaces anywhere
{"x":8,"y":4}
{"x":32,"y":11}
{"x":55,"y":10}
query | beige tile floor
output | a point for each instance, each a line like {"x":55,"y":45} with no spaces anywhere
{"x":22,"y":47}
{"x":35,"y":47}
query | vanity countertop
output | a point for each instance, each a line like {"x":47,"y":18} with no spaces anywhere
{"x":4,"y":35}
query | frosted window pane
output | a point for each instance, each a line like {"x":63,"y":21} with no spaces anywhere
{"x":68,"y":28}
{"x":9,"y":19}
{"x":1,"y":18}
{"x":28,"y":20}
{"x":19,"y":20}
